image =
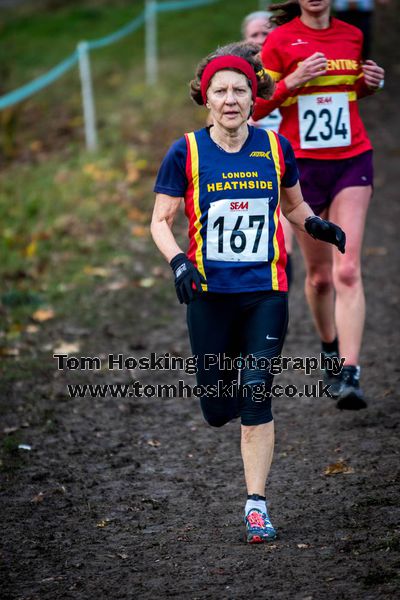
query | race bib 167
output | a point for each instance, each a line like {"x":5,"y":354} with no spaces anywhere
{"x":237,"y":230}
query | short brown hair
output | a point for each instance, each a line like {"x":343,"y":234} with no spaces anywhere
{"x":246,"y":50}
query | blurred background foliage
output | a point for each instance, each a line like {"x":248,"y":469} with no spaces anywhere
{"x":68,"y":218}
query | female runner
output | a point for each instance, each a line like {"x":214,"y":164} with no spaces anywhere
{"x":316,"y":60}
{"x":233,"y":179}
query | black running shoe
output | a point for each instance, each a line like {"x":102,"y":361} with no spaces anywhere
{"x":330,"y":378}
{"x":350,"y":394}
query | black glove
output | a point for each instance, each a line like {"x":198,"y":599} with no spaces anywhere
{"x":185,"y":274}
{"x":326,"y":232}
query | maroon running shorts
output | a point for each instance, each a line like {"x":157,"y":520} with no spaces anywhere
{"x":322,"y":180}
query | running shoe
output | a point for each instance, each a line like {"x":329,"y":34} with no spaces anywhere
{"x":350,"y":394}
{"x":258,"y":527}
{"x":330,"y":378}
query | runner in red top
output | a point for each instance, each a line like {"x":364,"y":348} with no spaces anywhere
{"x":316,"y":61}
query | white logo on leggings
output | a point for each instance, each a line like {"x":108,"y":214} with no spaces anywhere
{"x":270,"y":338}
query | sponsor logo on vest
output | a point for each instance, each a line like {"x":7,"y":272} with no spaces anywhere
{"x":298,"y":42}
{"x":239,"y":206}
{"x":261,"y":155}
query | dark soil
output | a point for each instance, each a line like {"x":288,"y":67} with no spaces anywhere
{"x":129,"y":498}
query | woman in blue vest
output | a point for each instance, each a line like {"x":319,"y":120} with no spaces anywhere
{"x":234,"y":179}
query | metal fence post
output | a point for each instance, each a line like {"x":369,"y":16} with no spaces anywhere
{"x":89,"y":112}
{"x":151,"y":42}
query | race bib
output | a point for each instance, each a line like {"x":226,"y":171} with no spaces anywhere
{"x":324,"y":121}
{"x":237,"y":230}
{"x":271,"y":121}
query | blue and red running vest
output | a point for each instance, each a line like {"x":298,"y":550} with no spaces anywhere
{"x":232,"y":204}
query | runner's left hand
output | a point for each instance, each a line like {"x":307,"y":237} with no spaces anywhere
{"x":326,"y":231}
{"x":373,"y":74}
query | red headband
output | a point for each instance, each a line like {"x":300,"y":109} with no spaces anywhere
{"x":227,"y":62}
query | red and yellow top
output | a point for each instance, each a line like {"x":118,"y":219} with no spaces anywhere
{"x":320,"y":118}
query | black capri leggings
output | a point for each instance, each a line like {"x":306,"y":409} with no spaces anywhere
{"x":234,"y":325}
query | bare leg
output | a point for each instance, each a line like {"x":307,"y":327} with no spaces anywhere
{"x":349,"y":210}
{"x":257,"y":445}
{"x":319,"y":284}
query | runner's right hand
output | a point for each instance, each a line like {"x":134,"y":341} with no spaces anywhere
{"x":186,"y":275}
{"x":313,"y":66}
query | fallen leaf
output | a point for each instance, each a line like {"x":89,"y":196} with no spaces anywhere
{"x":132,"y":173}
{"x":122,"y":555}
{"x":134,"y":214}
{"x":66,"y":348}
{"x":121,"y":260}
{"x":303,"y":545}
{"x":9,"y":351}
{"x":36,"y":146}
{"x":31,"y":249}
{"x":103,"y":523}
{"x":38,"y":498}
{"x":61,"y":489}
{"x":43,"y":314}
{"x":147,"y":282}
{"x":96,"y":271}
{"x":114,"y":286}
{"x":160,"y":272}
{"x":100,"y":174}
{"x":141,"y":164}
{"x":338,"y":467}
{"x":140,"y":231}
{"x":32,"y":329}
{"x":8,"y":430}
{"x":154,"y":443}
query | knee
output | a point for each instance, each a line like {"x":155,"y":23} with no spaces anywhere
{"x":256,"y":415}
{"x":320,"y":281}
{"x":256,"y":403}
{"x":217,"y":411}
{"x":215,"y":420}
{"x":348,"y":274}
